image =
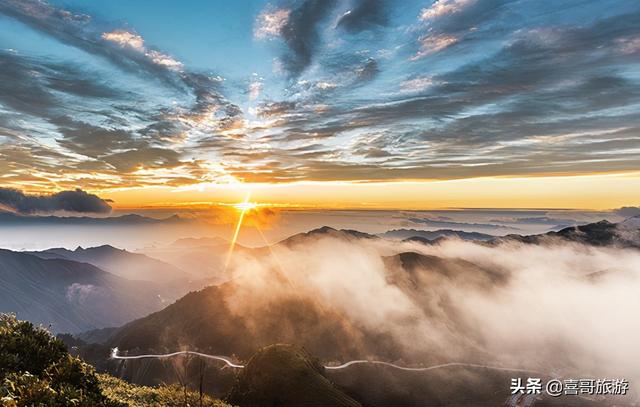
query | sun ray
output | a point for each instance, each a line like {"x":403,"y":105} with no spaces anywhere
{"x":243,"y":207}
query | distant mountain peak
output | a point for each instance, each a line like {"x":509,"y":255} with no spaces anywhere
{"x":431,"y":235}
{"x":128,"y":219}
{"x":328,"y":231}
{"x":632,"y":223}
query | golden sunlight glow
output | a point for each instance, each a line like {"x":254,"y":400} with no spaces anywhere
{"x":245,"y":206}
{"x":598,"y":191}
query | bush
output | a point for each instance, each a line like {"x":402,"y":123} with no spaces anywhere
{"x":172,"y":395}
{"x":37,"y":370}
{"x":25,"y":348}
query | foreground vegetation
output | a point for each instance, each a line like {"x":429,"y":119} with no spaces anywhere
{"x":37,"y":370}
{"x":173,"y":395}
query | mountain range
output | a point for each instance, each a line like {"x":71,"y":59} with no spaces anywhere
{"x":71,"y":296}
{"x":132,"y":266}
{"x":14,"y":219}
{"x":84,"y":289}
{"x":67,"y":287}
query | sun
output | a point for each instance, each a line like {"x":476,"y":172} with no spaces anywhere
{"x":245,"y":206}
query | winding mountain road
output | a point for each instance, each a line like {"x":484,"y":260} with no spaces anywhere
{"x":115,"y":355}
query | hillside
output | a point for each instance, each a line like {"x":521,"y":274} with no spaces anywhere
{"x":132,"y":266}
{"x":10,"y":219}
{"x":200,"y":257}
{"x":71,"y":296}
{"x":625,"y":234}
{"x":240,"y":317}
{"x":36,"y":369}
{"x":218,"y":328}
{"x":325,"y":231}
{"x":286,"y":376}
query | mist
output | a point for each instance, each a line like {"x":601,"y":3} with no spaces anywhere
{"x":558,"y":308}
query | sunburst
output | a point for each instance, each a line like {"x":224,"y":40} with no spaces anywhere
{"x":243,"y":207}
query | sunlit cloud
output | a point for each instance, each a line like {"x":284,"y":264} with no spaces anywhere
{"x":443,"y":7}
{"x":270,"y":23}
{"x":462,"y":89}
{"x":136,"y":42}
{"x":416,"y":84}
{"x":431,"y":44}
{"x":125,"y":39}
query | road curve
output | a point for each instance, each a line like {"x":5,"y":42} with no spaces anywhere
{"x":422,"y":369}
{"x":225,"y":359}
{"x":230,"y":363}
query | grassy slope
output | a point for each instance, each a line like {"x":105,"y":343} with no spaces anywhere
{"x":135,"y":396}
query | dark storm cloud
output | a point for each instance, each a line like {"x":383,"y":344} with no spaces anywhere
{"x":300,"y":33}
{"x":69,"y":201}
{"x":365,"y":15}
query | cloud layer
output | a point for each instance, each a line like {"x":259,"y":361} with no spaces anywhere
{"x":560,"y":308}
{"x":360,"y":90}
{"x":77,"y":201}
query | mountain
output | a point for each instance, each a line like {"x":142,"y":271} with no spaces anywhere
{"x":13,"y":219}
{"x":404,"y":234}
{"x":120,"y":262}
{"x":603,"y":233}
{"x":200,"y":257}
{"x":220,"y":328}
{"x":191,"y":242}
{"x":209,"y":321}
{"x":326,"y":231}
{"x":37,"y":370}
{"x":243,"y":318}
{"x":424,"y":270}
{"x":71,"y":296}
{"x":286,"y":376}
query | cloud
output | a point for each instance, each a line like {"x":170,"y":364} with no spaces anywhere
{"x":448,"y":22}
{"x":430,"y":44}
{"x":125,"y":39}
{"x":80,"y":293}
{"x":77,"y":201}
{"x":255,"y":88}
{"x":416,"y":84}
{"x":470,"y":88}
{"x":270,"y":23}
{"x":130,"y":40}
{"x":436,"y":223}
{"x":122,"y":120}
{"x":365,"y":15}
{"x":443,"y":7}
{"x":459,"y":301}
{"x":298,"y":28}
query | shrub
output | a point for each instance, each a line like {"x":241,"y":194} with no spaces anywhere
{"x":37,"y":370}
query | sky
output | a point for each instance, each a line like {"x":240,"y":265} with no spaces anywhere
{"x":323,"y":103}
